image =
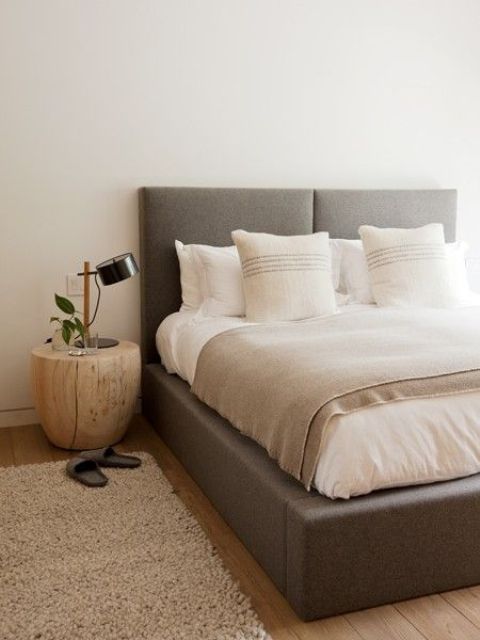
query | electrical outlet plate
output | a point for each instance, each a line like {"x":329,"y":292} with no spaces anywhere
{"x":74,"y":285}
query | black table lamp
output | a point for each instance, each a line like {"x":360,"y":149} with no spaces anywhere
{"x":110,"y":272}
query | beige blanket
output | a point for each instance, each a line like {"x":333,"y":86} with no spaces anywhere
{"x":281,"y":383}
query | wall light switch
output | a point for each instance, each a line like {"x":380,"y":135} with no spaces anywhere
{"x":74,"y":285}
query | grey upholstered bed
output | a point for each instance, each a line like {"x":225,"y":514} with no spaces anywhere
{"x":325,"y":556}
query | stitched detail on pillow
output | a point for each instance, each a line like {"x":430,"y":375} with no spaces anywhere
{"x":405,"y":253}
{"x":285,"y":262}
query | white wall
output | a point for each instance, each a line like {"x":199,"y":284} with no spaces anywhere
{"x":99,"y":97}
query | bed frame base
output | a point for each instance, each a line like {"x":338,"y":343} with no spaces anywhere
{"x":326,"y":557}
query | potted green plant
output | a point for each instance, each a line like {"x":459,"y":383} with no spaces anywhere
{"x":69,"y":329}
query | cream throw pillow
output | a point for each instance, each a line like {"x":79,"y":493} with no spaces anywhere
{"x":285,"y":277}
{"x":409,"y":267}
{"x":220,"y":276}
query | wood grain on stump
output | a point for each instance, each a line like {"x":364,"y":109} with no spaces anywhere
{"x":86,"y":402}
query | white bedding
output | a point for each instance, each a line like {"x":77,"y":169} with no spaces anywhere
{"x":400,"y":443}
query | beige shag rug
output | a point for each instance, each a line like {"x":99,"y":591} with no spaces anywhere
{"x":127,"y":561}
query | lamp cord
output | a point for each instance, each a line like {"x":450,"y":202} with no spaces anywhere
{"x":98,"y":302}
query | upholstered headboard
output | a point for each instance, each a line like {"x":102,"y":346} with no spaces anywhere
{"x":208,"y":216}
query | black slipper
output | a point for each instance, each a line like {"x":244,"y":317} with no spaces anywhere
{"x":86,"y":471}
{"x":108,"y":457}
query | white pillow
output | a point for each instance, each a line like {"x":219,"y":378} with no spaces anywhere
{"x":191,"y":293}
{"x":457,"y":252}
{"x":220,"y":276}
{"x":211,"y":279}
{"x":409,"y":267}
{"x":285,"y":277}
{"x":353,"y":279}
{"x":336,"y":258}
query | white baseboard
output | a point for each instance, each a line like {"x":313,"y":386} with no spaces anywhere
{"x":18,"y":417}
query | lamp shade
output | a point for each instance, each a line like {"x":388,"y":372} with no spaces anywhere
{"x":117,"y":269}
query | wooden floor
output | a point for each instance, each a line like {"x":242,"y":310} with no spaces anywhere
{"x":440,"y":617}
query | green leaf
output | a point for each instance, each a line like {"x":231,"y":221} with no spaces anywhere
{"x":66,"y":334}
{"x":70,"y":325}
{"x":80,"y":327}
{"x":54,"y":319}
{"x":64,"y":304}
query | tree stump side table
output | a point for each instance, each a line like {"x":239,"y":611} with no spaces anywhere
{"x":85,"y":402}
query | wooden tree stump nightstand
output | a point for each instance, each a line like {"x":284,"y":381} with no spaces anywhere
{"x":86,"y":402}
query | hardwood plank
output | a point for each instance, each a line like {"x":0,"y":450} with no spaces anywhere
{"x":130,"y":441}
{"x":57,"y":454}
{"x":383,"y":622}
{"x":437,"y":619}
{"x":30,"y":445}
{"x":6,"y":448}
{"x":467,"y":602}
{"x":337,"y":627}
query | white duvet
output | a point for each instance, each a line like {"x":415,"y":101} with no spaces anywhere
{"x":400,"y":443}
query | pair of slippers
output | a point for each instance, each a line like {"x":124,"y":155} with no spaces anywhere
{"x":85,"y":467}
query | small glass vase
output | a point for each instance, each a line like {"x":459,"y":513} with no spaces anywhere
{"x":58,"y":343}
{"x":90,"y":343}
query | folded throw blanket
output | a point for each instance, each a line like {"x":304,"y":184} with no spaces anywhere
{"x":281,"y":383}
